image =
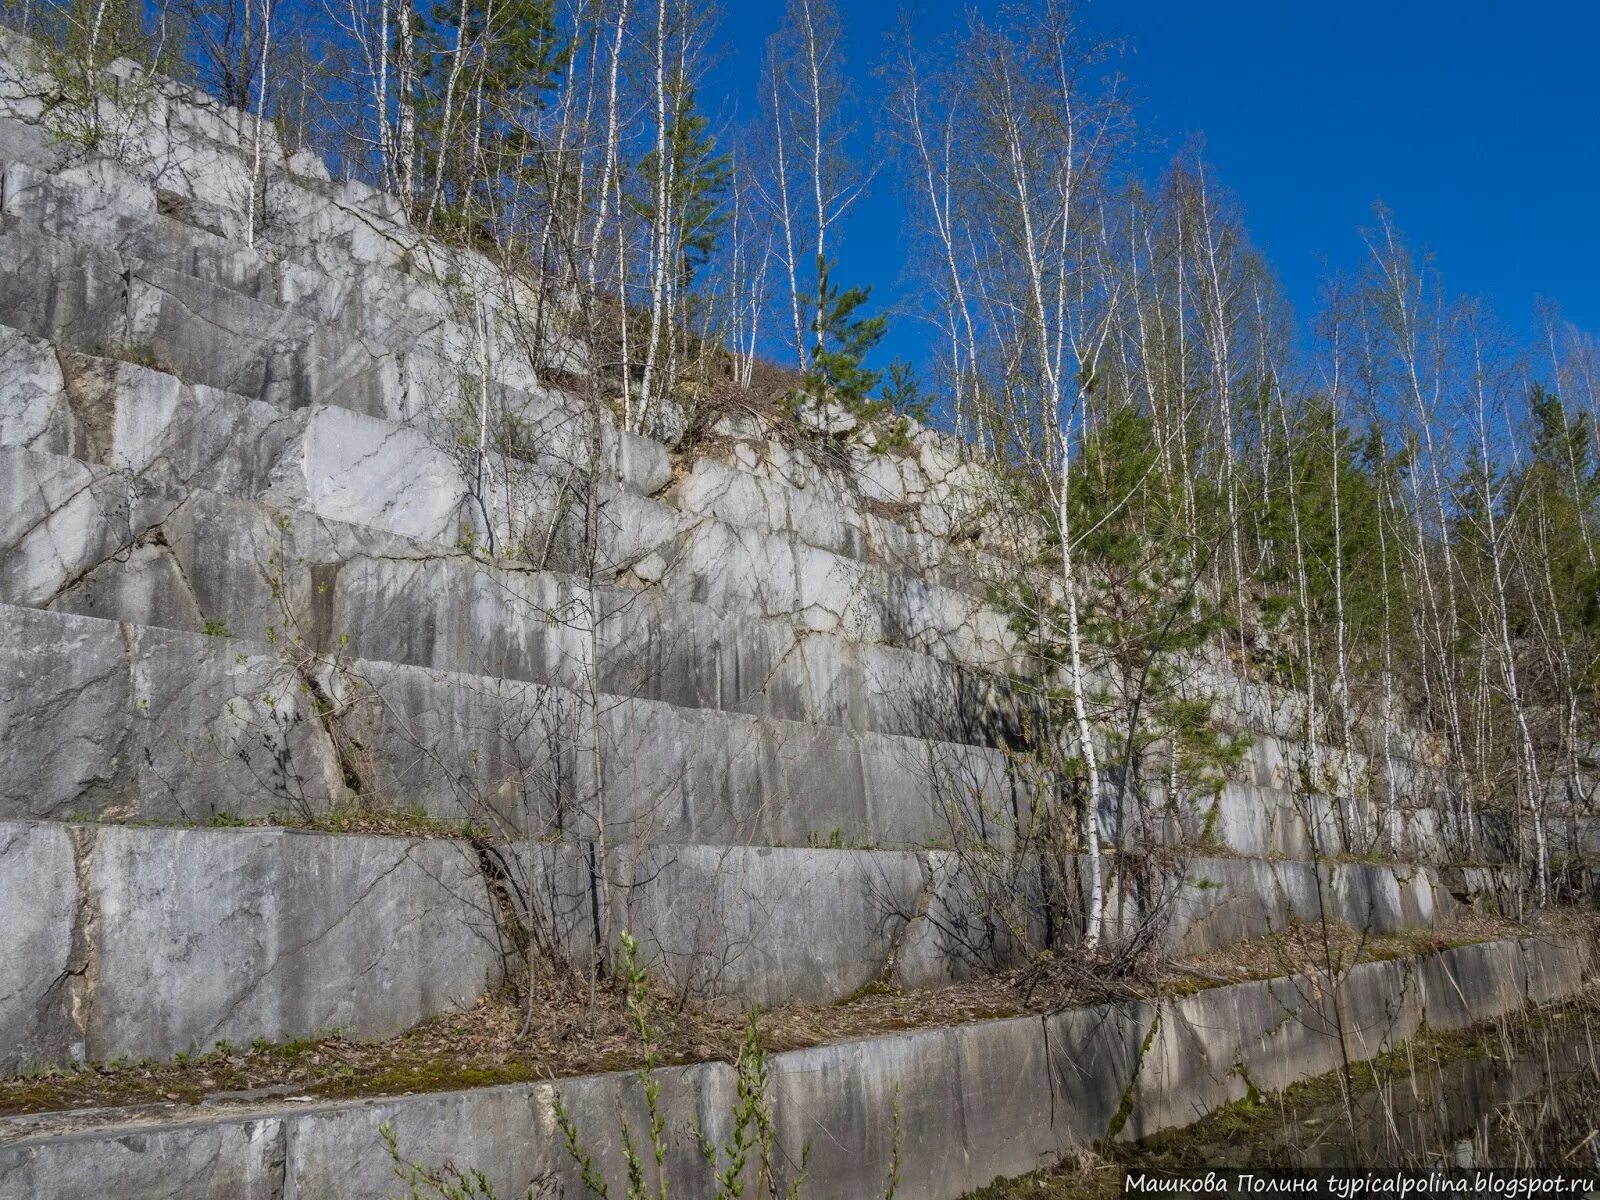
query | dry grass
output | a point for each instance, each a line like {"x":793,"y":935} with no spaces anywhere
{"x":1306,"y":946}
{"x":359,"y":816}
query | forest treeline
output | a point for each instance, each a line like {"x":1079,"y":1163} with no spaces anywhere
{"x":1391,"y":506}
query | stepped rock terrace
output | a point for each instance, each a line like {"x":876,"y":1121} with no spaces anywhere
{"x":308,"y":740}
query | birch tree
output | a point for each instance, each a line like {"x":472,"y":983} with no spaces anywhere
{"x":1038,"y":140}
{"x":813,"y":177}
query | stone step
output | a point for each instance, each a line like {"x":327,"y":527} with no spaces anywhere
{"x":931,"y":479}
{"x":933,"y":473}
{"x":367,"y":385}
{"x":162,"y":101}
{"x":324,"y":460}
{"x":1274,"y":819}
{"x":147,"y":941}
{"x":745,"y":489}
{"x":98,"y":301}
{"x":1289,"y":765}
{"x":90,"y":540}
{"x":378,"y":340}
{"x":64,"y":192}
{"x":978,"y":1101}
{"x":95,"y":541}
{"x":95,"y":211}
{"x":404,"y":478}
{"x":78,"y":202}
{"x":108,"y":721}
{"x":344,"y":248}
{"x":117,"y":721}
{"x":757,"y":480}
{"x":1283,"y":711}
{"x":347,"y":232}
{"x":143,"y":415}
{"x":781,"y":488}
{"x":736,"y":586}
{"x":1245,"y":817}
{"x":771,"y":925}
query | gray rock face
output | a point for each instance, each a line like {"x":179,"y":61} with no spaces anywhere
{"x":1207,"y":1049}
{"x":1219,"y":901}
{"x":835,"y":1097}
{"x":46,"y":947}
{"x":34,"y":415}
{"x":199,"y":1161}
{"x":80,"y":540}
{"x":159,"y":940}
{"x":280,"y":932}
{"x":76,"y":534}
{"x":116,"y":721}
{"x":145,"y":942}
{"x":94,"y":542}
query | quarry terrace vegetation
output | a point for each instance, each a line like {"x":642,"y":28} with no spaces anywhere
{"x":510,"y":687}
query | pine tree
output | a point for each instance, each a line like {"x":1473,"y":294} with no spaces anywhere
{"x":838,"y":371}
{"x":699,"y":176}
{"x":483,"y":70}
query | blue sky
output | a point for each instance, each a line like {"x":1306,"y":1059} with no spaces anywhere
{"x":1477,"y":122}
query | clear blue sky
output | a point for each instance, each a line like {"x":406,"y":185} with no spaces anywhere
{"x":1476,"y":121}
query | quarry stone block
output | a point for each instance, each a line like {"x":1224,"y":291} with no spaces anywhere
{"x":144,"y":942}
{"x":103,"y":720}
{"x":1094,"y":1054}
{"x":1191,"y":1055}
{"x":510,"y":1133}
{"x":117,"y":722}
{"x":228,"y":935}
{"x":834,"y":1097}
{"x":766,"y":924}
{"x":188,"y":1161}
{"x":1470,"y":984}
{"x":33,"y":409}
{"x":41,"y":989}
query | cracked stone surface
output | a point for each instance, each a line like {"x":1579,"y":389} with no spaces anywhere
{"x":71,"y":533}
{"x":168,"y":725}
{"x":197,"y":1161}
{"x":187,"y":937}
{"x":38,"y":892}
{"x":35,"y":413}
{"x":276,"y":934}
